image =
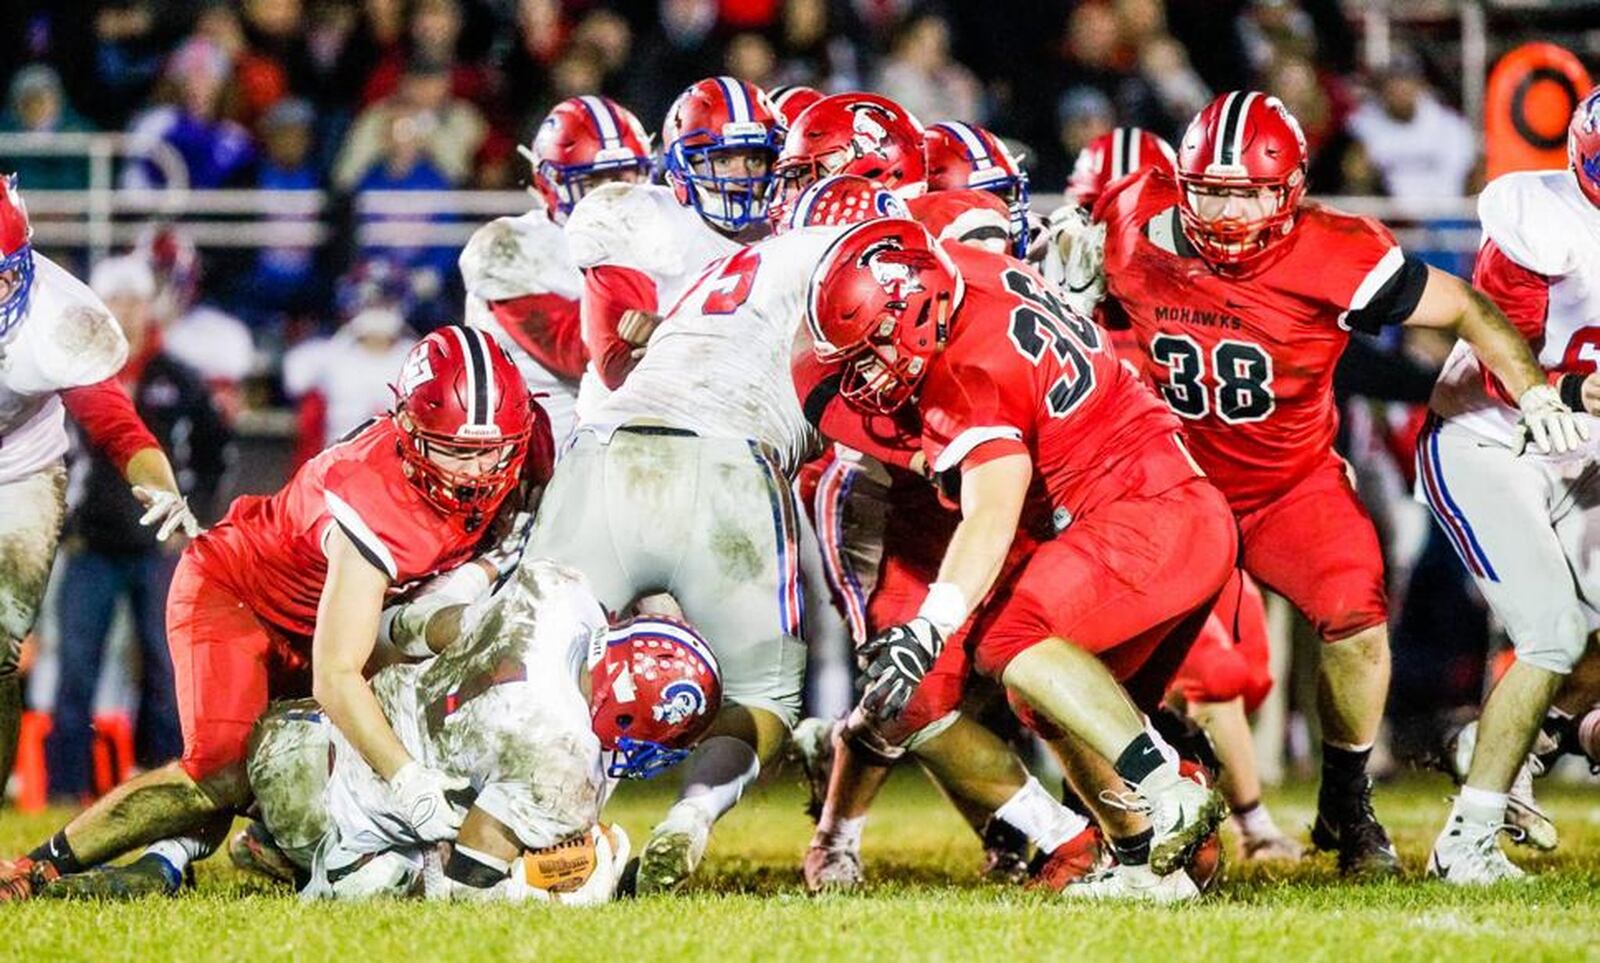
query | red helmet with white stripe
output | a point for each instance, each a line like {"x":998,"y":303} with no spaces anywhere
{"x":791,"y":99}
{"x":16,"y":257}
{"x":654,"y":690}
{"x":841,"y":199}
{"x":465,"y":418}
{"x":854,"y":133}
{"x":714,"y":117}
{"x":968,"y":156}
{"x":967,"y":216}
{"x":1242,"y":173}
{"x":583,"y":142}
{"x":1583,"y":146}
{"x":880,"y":303}
{"x":1112,"y":156}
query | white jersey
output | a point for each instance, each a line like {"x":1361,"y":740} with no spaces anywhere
{"x":643,"y":227}
{"x":513,"y":257}
{"x":1543,"y":223}
{"x":213,"y":342}
{"x":502,"y":707}
{"x":353,"y":379}
{"x":719,"y":364}
{"x":68,"y":339}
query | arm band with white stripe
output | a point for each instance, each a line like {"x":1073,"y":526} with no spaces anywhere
{"x":1395,"y":301}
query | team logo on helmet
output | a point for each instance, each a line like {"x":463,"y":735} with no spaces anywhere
{"x":868,"y":134}
{"x":416,"y":373}
{"x":895,"y":269}
{"x":680,"y":701}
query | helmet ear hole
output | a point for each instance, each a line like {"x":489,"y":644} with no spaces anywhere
{"x":624,"y":720}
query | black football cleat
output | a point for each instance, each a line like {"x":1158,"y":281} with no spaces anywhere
{"x":146,"y":876}
{"x":1005,"y":853}
{"x":1351,"y":829}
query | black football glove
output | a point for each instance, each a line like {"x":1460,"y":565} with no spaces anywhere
{"x":897,"y":659}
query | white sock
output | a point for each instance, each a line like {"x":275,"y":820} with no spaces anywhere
{"x":1480,"y":806}
{"x":842,"y":835}
{"x":1255,"y":822}
{"x":180,"y":851}
{"x":717,"y":774}
{"x":1040,"y":817}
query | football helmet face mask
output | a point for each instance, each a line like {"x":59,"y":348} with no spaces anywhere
{"x":855,"y":133}
{"x":967,"y":156}
{"x":654,"y":690}
{"x":1110,"y":157}
{"x":584,"y":142}
{"x":1241,"y":175}
{"x":721,"y":138}
{"x":16,"y":257}
{"x":464,"y":416}
{"x":1583,"y":146}
{"x":841,"y":199}
{"x":880,"y":304}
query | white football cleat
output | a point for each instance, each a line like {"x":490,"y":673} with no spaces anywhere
{"x":1468,"y":854}
{"x":1535,"y":828}
{"x":1181,"y":815}
{"x":674,"y":849}
{"x":1133,"y":884}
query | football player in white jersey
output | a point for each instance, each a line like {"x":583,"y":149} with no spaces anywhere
{"x":60,"y":351}
{"x":1524,"y":523}
{"x":535,"y":705}
{"x":641,"y":246}
{"x":522,"y":284}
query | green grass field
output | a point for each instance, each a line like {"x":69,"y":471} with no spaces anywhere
{"x":924,"y":903}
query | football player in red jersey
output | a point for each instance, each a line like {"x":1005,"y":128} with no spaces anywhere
{"x":1242,"y":297}
{"x":1028,"y":419}
{"x":284,"y":595}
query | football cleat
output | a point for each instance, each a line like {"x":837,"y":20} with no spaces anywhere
{"x":1361,"y":842}
{"x":149,"y":875}
{"x":1133,"y":884}
{"x":812,"y":746}
{"x":253,"y":850}
{"x":22,"y":878}
{"x":1468,"y":854}
{"x":832,"y":869}
{"x":1536,"y":829}
{"x":1182,"y":816}
{"x":1005,"y":853}
{"x":674,"y":850}
{"x":1078,"y":858}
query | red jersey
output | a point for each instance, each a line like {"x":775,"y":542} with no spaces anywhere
{"x":268,"y":550}
{"x":1021,"y":373}
{"x":1247,"y":359}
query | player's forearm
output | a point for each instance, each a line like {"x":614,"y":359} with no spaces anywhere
{"x":1499,"y":345}
{"x":150,"y":468}
{"x":991,"y":503}
{"x":349,"y":703}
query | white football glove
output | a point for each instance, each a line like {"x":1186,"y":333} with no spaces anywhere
{"x":1546,"y":419}
{"x":420,"y":796}
{"x":1070,"y":253}
{"x":168,"y":511}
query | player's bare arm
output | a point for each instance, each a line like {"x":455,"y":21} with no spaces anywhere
{"x":1451,"y":304}
{"x":991,"y":503}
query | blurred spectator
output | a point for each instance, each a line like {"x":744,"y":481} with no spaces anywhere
{"x":1165,"y":64}
{"x":611,"y":38}
{"x":921,"y":76}
{"x":1293,"y":80}
{"x":111,"y":556}
{"x":284,"y":277}
{"x":36,"y":104}
{"x":216,"y":152}
{"x":1083,"y":115}
{"x":677,"y":55}
{"x":1420,"y":147}
{"x":214,"y":343}
{"x":433,"y":34}
{"x":342,"y":381}
{"x":750,"y":58}
{"x":1096,"y":57}
{"x":814,"y":47}
{"x":116,"y":60}
{"x":541,"y":35}
{"x":1274,"y":28}
{"x":419,"y":137}
{"x":276,"y":63}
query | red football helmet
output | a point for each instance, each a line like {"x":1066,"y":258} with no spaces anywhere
{"x":967,"y":156}
{"x":1112,"y":156}
{"x":175,"y":261}
{"x":1243,"y":150}
{"x":1583,"y":146}
{"x":714,"y":116}
{"x":791,"y":99}
{"x":855,"y":133}
{"x":880,"y":302}
{"x":654,"y":690}
{"x":841,"y":199}
{"x":582,"y":137}
{"x":465,"y":417}
{"x":16,"y":256}
{"x":966,"y":216}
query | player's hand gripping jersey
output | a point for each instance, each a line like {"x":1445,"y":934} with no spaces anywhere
{"x":1246,"y":357}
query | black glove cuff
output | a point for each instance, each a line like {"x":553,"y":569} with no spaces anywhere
{"x":1571,"y":389}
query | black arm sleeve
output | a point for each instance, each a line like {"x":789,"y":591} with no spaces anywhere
{"x":1395,"y":301}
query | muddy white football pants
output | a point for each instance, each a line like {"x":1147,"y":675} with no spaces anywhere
{"x":1528,"y":529}
{"x":31,"y":511}
{"x":711,"y":521}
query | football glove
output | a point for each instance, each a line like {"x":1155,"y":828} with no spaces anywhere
{"x":421,"y":796}
{"x":897,"y":659}
{"x":1547,"y":420}
{"x":1070,"y":252}
{"x":167,"y":511}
